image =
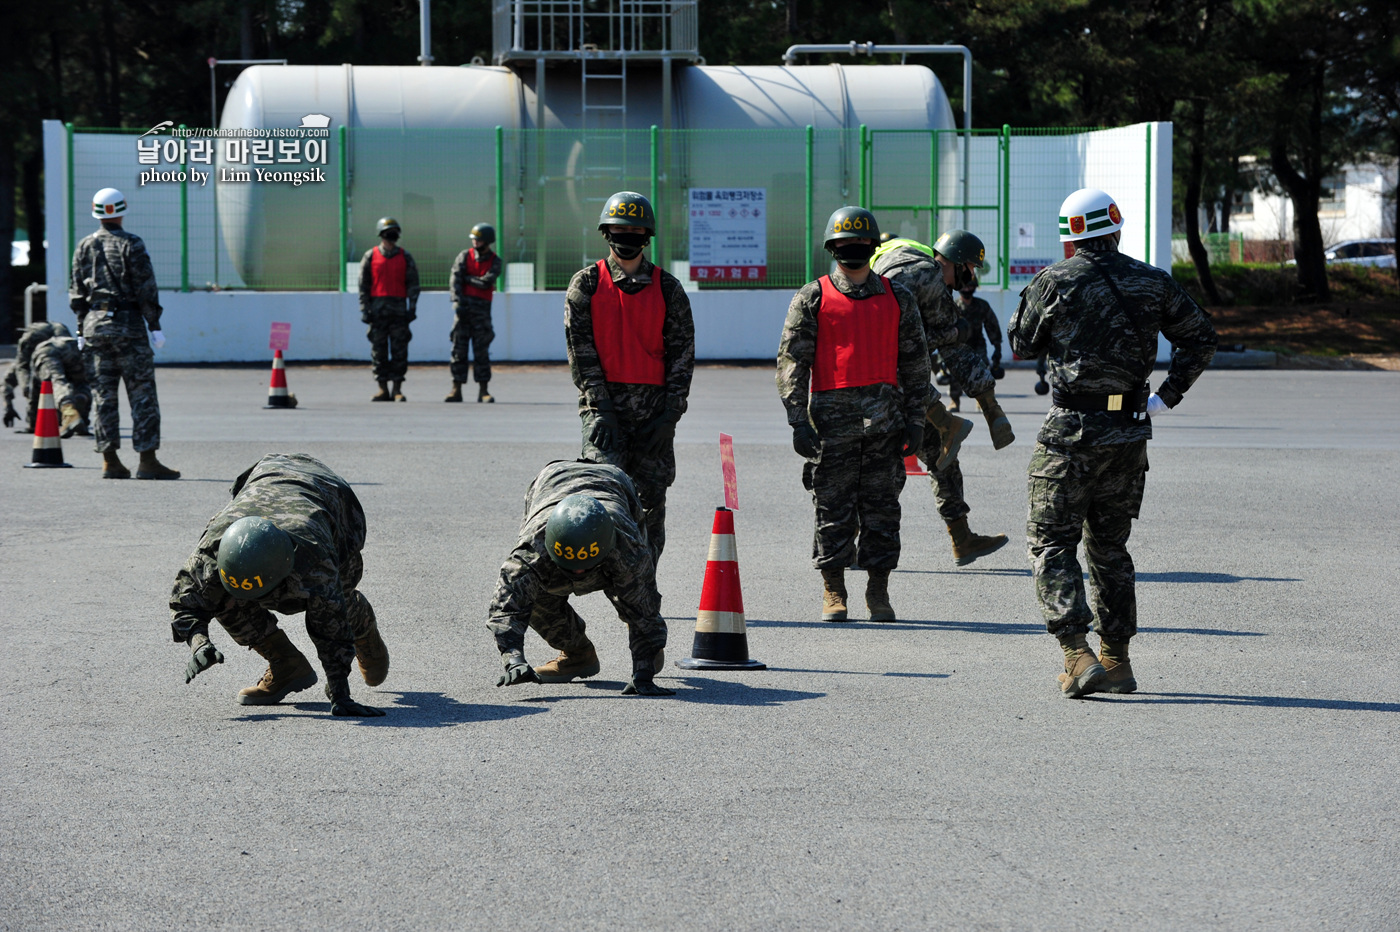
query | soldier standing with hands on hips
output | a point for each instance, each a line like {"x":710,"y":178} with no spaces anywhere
{"x":113,"y":292}
{"x":631,"y":343}
{"x":388,"y":303}
{"x":1096,"y":316}
{"x":472,"y":284}
{"x":856,"y":338}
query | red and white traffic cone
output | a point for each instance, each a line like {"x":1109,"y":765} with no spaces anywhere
{"x":721,"y":640}
{"x":912,"y":467}
{"x":277,"y":394}
{"x":48,"y":452}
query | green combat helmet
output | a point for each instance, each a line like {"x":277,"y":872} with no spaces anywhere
{"x":484,"y":232}
{"x":580,"y":533}
{"x":386,"y":224}
{"x":254,"y":556}
{"x":627,"y":209}
{"x":849,"y":223}
{"x":960,"y":247}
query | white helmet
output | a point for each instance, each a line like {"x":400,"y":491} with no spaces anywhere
{"x":1088,"y":213}
{"x":108,"y":203}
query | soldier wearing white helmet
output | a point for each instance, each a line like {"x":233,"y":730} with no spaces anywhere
{"x":113,"y":292}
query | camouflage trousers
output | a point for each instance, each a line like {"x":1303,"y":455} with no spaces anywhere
{"x":635,"y":405}
{"x":562,"y":628}
{"x":855,"y":485}
{"x":947,"y":484}
{"x":65,"y":392}
{"x":388,"y":341}
{"x":1093,"y":493}
{"x":968,"y":370}
{"x":128,"y":360}
{"x":472,"y":332}
{"x":249,"y":624}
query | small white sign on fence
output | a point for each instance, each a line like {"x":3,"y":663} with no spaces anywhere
{"x":729,"y":234}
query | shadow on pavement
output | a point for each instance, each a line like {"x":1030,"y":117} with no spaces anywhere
{"x":1215,"y":632}
{"x":408,"y":710}
{"x":1192,"y":577}
{"x":1265,"y":702}
{"x":908,"y":624}
{"x":701,"y":691}
{"x":1006,"y":571}
{"x":926,"y":676}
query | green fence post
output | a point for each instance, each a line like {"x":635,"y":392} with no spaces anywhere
{"x":500,"y":199}
{"x":1147,"y":210}
{"x":1005,"y":205}
{"x":656,"y":197}
{"x":864,"y":166}
{"x":184,"y":217}
{"x":344,"y":211}
{"x":932,"y":185}
{"x":72,"y":204}
{"x":807,"y":228}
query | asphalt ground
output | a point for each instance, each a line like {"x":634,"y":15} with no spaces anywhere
{"x":917,"y":775}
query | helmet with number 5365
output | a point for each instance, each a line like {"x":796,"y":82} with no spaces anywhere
{"x":579,"y":533}
{"x":254,"y":556}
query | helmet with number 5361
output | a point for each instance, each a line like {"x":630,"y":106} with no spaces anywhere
{"x":254,"y":556}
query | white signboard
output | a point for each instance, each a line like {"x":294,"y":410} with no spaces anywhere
{"x":729,"y":234}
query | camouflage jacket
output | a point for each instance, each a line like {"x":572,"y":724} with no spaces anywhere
{"x":626,"y":576}
{"x":112,"y":265}
{"x":59,"y":354}
{"x":18,"y":374}
{"x":677,"y":332}
{"x":410,"y":277}
{"x":923,"y":276}
{"x":1095,"y":345}
{"x":846,"y":413}
{"x":459,"y":279}
{"x":303,"y":497}
{"x":980,"y":315}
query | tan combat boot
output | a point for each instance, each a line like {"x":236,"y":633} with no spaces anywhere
{"x":997,"y":422}
{"x":968,"y":546}
{"x":952,"y":431}
{"x":566,"y":667}
{"x":288,"y":671}
{"x":955,"y":403}
{"x":112,"y":467}
{"x":834,"y":595}
{"x":1083,"y":672}
{"x":456,"y":394}
{"x":398,"y":390}
{"x":877,"y":595}
{"x":372,"y":654}
{"x":72,"y":421}
{"x":383,"y":394}
{"x":151,"y":468}
{"x":1114,"y":657}
{"x":482,"y":395}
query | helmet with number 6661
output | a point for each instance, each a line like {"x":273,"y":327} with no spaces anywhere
{"x":579,"y":533}
{"x":254,"y":556}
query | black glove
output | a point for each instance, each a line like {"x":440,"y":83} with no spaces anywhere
{"x":604,"y":433}
{"x":345,"y":707}
{"x":11,"y":415}
{"x":645,"y":687}
{"x":205,"y":656}
{"x":412,"y":314}
{"x":913,"y":437}
{"x":804,"y":440}
{"x":998,"y":372}
{"x":656,"y":433}
{"x":364,"y":315}
{"x":964,"y":330}
{"x":1042,"y":387}
{"x":516,"y":674}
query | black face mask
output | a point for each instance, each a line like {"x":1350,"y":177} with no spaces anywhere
{"x":962,"y":278}
{"x":853,"y":255}
{"x":627,"y":245}
{"x":391,"y":235}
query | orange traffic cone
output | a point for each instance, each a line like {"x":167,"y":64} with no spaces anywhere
{"x":48,"y":452}
{"x":912,"y":467}
{"x":277,"y":394}
{"x":721,"y":640}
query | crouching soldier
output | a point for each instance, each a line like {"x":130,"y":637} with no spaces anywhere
{"x":59,"y":361}
{"x":289,"y":542}
{"x":584,"y":530}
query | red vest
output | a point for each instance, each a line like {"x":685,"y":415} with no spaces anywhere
{"x":477,"y":267}
{"x":387,"y":275}
{"x":857,"y":340}
{"x":627,"y":330}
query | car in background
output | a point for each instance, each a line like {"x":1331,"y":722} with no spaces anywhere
{"x":1377,"y":252}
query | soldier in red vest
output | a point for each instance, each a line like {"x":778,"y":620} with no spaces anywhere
{"x":857,"y":339}
{"x":388,"y":303}
{"x":631,"y":347}
{"x":472,"y":284}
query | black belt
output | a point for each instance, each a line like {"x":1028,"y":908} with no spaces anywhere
{"x":113,"y":306}
{"x":1131,"y":404}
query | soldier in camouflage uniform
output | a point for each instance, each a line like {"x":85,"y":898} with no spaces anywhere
{"x":238,"y":576}
{"x":388,"y":304}
{"x":631,"y":343}
{"x":584,"y":530}
{"x":981,"y":319}
{"x":472,"y":283}
{"x":18,"y":374}
{"x":917,"y":267}
{"x":1097,"y":316}
{"x":113,"y":292}
{"x":857,"y":340}
{"x":59,"y":361}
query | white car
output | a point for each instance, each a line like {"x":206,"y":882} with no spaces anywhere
{"x":1377,"y":252}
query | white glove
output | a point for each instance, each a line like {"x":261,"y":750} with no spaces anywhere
{"x":1156,"y":405}
{"x":81,"y":342}
{"x":158,"y":339}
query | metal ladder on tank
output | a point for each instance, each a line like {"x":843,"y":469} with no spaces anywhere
{"x":594,"y":117}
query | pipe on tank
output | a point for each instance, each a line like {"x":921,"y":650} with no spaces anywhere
{"x":425,"y":32}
